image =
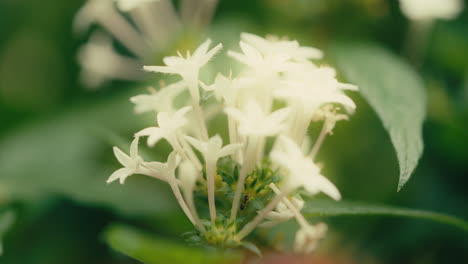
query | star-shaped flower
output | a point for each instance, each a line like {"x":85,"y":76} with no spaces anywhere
{"x":230,"y":90}
{"x":132,"y":164}
{"x":290,"y":48}
{"x":260,"y":64}
{"x":253,"y":121}
{"x":161,"y":101}
{"x":189,"y":67}
{"x":301,"y":170}
{"x":167,"y":169}
{"x":213,"y":149}
{"x":314,"y":87}
{"x":168,"y":128}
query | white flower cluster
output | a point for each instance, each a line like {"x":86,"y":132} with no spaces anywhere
{"x":277,"y":72}
{"x":425,"y":10}
{"x":145,"y":28}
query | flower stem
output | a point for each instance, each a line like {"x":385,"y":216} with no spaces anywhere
{"x":180,"y":199}
{"x":319,"y":142}
{"x":249,"y":227}
{"x":200,"y":120}
{"x":299,"y":217}
{"x":248,"y":164}
{"x":191,"y":204}
{"x":210,"y":178}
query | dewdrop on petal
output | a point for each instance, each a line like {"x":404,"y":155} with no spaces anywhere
{"x":228,"y":190}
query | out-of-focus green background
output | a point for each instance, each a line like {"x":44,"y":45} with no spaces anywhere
{"x":56,"y":136}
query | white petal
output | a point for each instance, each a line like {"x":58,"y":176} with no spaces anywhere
{"x":210,"y":54}
{"x":202,"y":49}
{"x":162,"y":69}
{"x":120,"y":174}
{"x":154,"y":135}
{"x":327,"y":187}
{"x":123,"y":158}
{"x":229,"y":150}
{"x":134,"y":148}
{"x":129,"y":5}
{"x":173,"y":161}
{"x":200,"y":146}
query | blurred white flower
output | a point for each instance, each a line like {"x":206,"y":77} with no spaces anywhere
{"x":282,"y":213}
{"x":144,"y":27}
{"x":100,"y":63}
{"x":301,"y":170}
{"x":129,"y":5}
{"x":431,"y":9}
{"x":307,"y":238}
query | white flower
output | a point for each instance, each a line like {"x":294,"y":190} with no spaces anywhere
{"x":167,"y":170}
{"x":301,"y":171}
{"x":260,"y":64}
{"x":161,"y":101}
{"x":330,"y":115}
{"x":168,"y":128}
{"x":290,"y":48}
{"x":253,"y":121}
{"x":213,"y":149}
{"x":229,"y":89}
{"x":89,"y":13}
{"x":431,"y":9}
{"x":307,"y":238}
{"x":100,"y":63}
{"x":187,"y":175}
{"x":311,"y":88}
{"x":189,"y":67}
{"x":129,"y":5}
{"x":132,"y":164}
{"x":282,"y":213}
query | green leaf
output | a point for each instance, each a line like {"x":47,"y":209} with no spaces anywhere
{"x":68,"y":156}
{"x":6,"y":222}
{"x":151,"y":250}
{"x":328,"y":208}
{"x":396,"y":93}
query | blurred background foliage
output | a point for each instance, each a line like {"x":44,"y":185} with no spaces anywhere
{"x":56,"y":137}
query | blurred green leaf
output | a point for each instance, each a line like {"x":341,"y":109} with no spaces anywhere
{"x":327,"y":208}
{"x":152,"y":250}
{"x":6,"y":221}
{"x":396,"y":93}
{"x":66,"y":156}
